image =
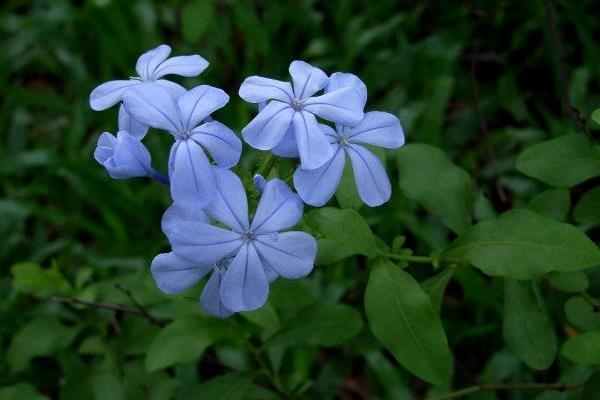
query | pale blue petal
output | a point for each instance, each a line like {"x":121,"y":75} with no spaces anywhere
{"x":105,"y":147}
{"x":132,"y":155}
{"x":174,"y":274}
{"x":330,"y":133}
{"x":316,"y":187}
{"x":244,"y":286}
{"x":126,"y":123}
{"x":313,"y":146}
{"x":269,"y":126}
{"x":378,"y":128}
{"x":191,"y":174}
{"x":148,"y":61}
{"x":181,"y":65}
{"x":287,"y":146}
{"x":372,"y":182}
{"x":340,"y":79}
{"x":152,"y":105}
{"x":211,"y":299}
{"x":342,"y":106}
{"x":173,"y":88}
{"x":177,"y":213}
{"x":269,"y":271}
{"x":203,"y":243}
{"x":279,"y":208}
{"x":307,"y":79}
{"x":221,"y":142}
{"x":290,"y":254}
{"x":198,"y":103}
{"x":108,"y":94}
{"x":256,"y":89}
{"x":230,"y":205}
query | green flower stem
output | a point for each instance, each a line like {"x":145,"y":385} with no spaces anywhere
{"x":507,"y":386}
{"x":267,"y":165}
{"x":405,"y":257}
{"x":592,"y":301}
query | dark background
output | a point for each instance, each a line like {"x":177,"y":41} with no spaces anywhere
{"x":480,"y":79}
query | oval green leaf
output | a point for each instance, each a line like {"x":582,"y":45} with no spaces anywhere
{"x":563,"y":162}
{"x":520,"y":244}
{"x":528,"y":331}
{"x":583,"y":349}
{"x":402,"y":319}
{"x":428,"y":177}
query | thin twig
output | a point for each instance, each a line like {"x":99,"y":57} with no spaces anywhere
{"x":108,"y":306}
{"x":137,"y":304}
{"x":266,"y":165}
{"x":507,"y":386}
{"x":406,"y":257}
{"x":563,"y":76}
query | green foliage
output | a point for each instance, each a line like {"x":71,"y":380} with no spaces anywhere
{"x":320,"y":325}
{"x":563,"y":162}
{"x":402,"y":318}
{"x":429,"y":177}
{"x":492,"y":140}
{"x":341,"y":233}
{"x":520,"y":244}
{"x":528,"y":331}
{"x":583,"y":349}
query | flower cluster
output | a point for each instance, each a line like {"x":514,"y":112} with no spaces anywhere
{"x":209,"y":226}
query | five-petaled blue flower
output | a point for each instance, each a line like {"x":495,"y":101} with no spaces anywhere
{"x":187,"y":119}
{"x":246,"y":256}
{"x":150,"y":67}
{"x":381,"y":129}
{"x":295,"y":110}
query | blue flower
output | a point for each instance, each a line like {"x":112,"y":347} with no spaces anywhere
{"x":187,"y":119}
{"x":293,"y":111}
{"x":150,"y":67}
{"x":125,"y":157}
{"x":381,"y":129}
{"x":245,"y":256}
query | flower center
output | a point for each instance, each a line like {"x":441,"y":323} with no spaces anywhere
{"x":297,"y":104}
{"x":184,"y":134}
{"x":248,"y":236}
{"x":343,"y":140}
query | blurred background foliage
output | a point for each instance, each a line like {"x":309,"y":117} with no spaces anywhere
{"x":480,"y":79}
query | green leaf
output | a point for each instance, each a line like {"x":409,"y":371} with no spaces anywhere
{"x":348,"y":231}
{"x":319,"y":325}
{"x":44,"y":336}
{"x":431,"y":179}
{"x":563,"y":162}
{"x":32,"y":279}
{"x":234,"y":386}
{"x":596,"y":116}
{"x":520,"y":244}
{"x":21,"y":391}
{"x":108,"y":386}
{"x":265,"y":317}
{"x":552,"y":203}
{"x":528,"y":331}
{"x":570,"y":282}
{"x":346,"y":193}
{"x":436,"y":286}
{"x":587,"y":210}
{"x":582,"y":314}
{"x":402,"y":319}
{"x":583,"y":349}
{"x":182,"y":341}
{"x":591,"y":387}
